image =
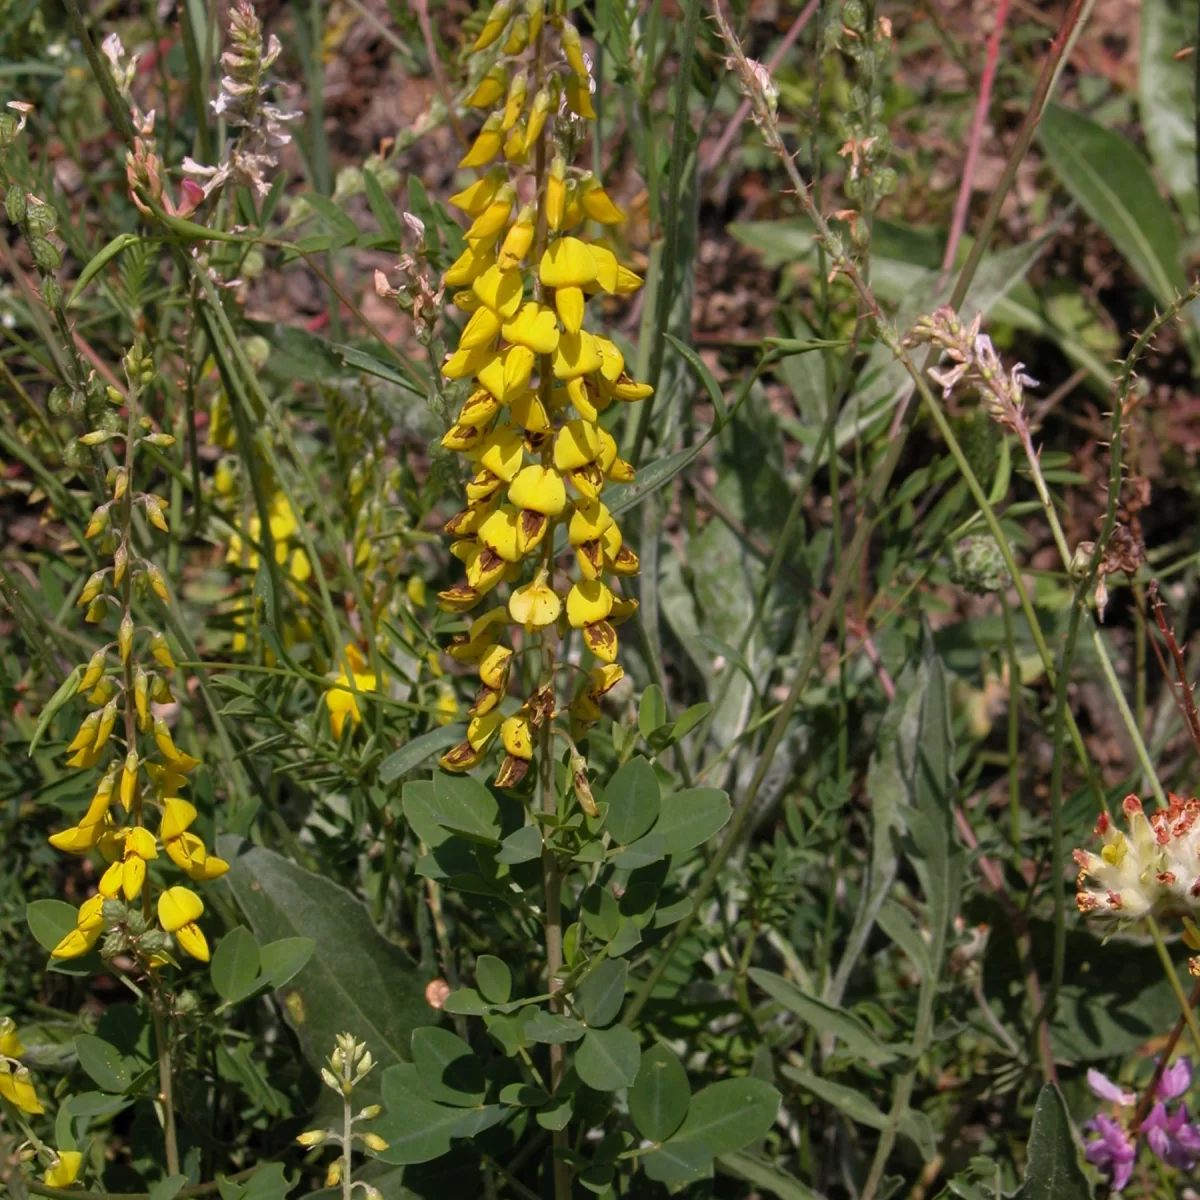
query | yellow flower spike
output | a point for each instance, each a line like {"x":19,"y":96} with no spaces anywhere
{"x":205,"y":872}
{"x":569,"y":303}
{"x":556,"y":193}
{"x":177,"y":907}
{"x":518,"y":38}
{"x":608,"y":270}
{"x":481,"y":730}
{"x":480,"y":330}
{"x":192,"y":941}
{"x":589,"y":520}
{"x":576,"y":355}
{"x":533,"y":327}
{"x":65,"y":1170}
{"x":464,"y":363}
{"x":536,"y":10}
{"x":540,"y":489}
{"x":177,"y":817}
{"x":514,"y":144}
{"x":518,"y":239}
{"x":186,"y":851}
{"x":579,"y":101}
{"x":514,"y":105}
{"x":494,"y":26}
{"x":535,"y":605}
{"x":108,"y":718}
{"x":462,"y":438}
{"x":10,"y":1043}
{"x":537,"y":119}
{"x":502,"y":452}
{"x":530,"y":413}
{"x":160,"y":651}
{"x":499,"y":533}
{"x":129,"y":779}
{"x":487,"y":91}
{"x":573,"y":49}
{"x":85,"y":735}
{"x":588,"y":602}
{"x":125,"y":637}
{"x":517,"y":736}
{"x":468,"y":266}
{"x":17,"y":1088}
{"x":502,"y":291}
{"x":93,"y":672}
{"x":133,"y":876}
{"x":93,"y":588}
{"x":576,"y":444}
{"x":601,"y":639}
{"x":567,"y":262}
{"x":494,"y":218}
{"x":494,"y":666}
{"x":486,"y":145}
{"x":598,"y":204}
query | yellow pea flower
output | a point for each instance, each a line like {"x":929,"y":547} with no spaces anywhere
{"x":502,"y":452}
{"x":576,"y":355}
{"x":340,"y":701}
{"x":514,"y":104}
{"x":535,"y":605}
{"x":539,"y":489}
{"x":495,"y":25}
{"x":489,"y":223}
{"x":499,"y":533}
{"x":598,"y":204}
{"x":487,"y":91}
{"x":65,"y":1170}
{"x":534,"y":327}
{"x":576,"y":444}
{"x":16,"y":1086}
{"x":469,"y":265}
{"x":588,"y":602}
{"x":517,"y":736}
{"x":502,"y":291}
{"x":517,"y":240}
{"x":494,"y":666}
{"x":486,"y":144}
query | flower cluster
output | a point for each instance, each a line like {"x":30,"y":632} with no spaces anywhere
{"x":531,"y":425}
{"x":975,"y":364}
{"x":1173,"y":1139}
{"x":1151,"y":870}
{"x":243,"y":102}
{"x":125,"y":737}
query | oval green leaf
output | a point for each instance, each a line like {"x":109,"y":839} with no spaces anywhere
{"x":660,"y":1096}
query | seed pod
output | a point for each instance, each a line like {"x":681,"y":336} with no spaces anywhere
{"x":14,"y":205}
{"x":52,"y":292}
{"x":40,"y":217}
{"x":46,"y":255}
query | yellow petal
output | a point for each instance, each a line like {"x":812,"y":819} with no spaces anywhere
{"x":493,"y":669}
{"x":178,"y":815}
{"x":211,"y":868}
{"x":133,"y":875}
{"x":140,"y":842}
{"x":20,"y":1090}
{"x":480,"y":330}
{"x":177,"y":907}
{"x":65,"y":1171}
{"x":608,"y":270}
{"x":482,"y":729}
{"x":601,"y":639}
{"x":501,"y":291}
{"x":534,"y":327}
{"x":589,"y":520}
{"x":567,"y":262}
{"x":466,"y":362}
{"x":576,"y":444}
{"x":110,"y":882}
{"x":568,"y":301}
{"x":576,"y":354}
{"x":468,"y":266}
{"x":502,"y":452}
{"x":598,"y":205}
{"x":486,"y":145}
{"x":588,"y":602}
{"x":192,"y":941}
{"x":475,"y":197}
{"x":535,"y":605}
{"x":530,"y":413}
{"x":488,"y":224}
{"x":540,"y":489}
{"x":74,"y":945}
{"x":517,"y":737}
{"x":499,"y":532}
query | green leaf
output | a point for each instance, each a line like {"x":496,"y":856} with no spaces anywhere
{"x":552,"y":1029}
{"x":711,"y":386}
{"x":1053,"y":1170}
{"x":523,"y":845}
{"x":382,"y":208}
{"x":103,"y":1062}
{"x":652,"y":712}
{"x":690,"y":719}
{"x":413,"y":754}
{"x":660,"y":1096}
{"x":913,"y":1125}
{"x":494,"y":977}
{"x":678,"y":1162}
{"x":449,"y":1071}
{"x":633,"y":800}
{"x":765,"y":1176}
{"x":99,"y":261}
{"x":608,"y":1059}
{"x":330,"y":213}
{"x":855,"y":1034}
{"x":50,"y":921}
{"x":370,"y":364}
{"x":464,"y":806}
{"x":62,"y":694}
{"x":235,"y":965}
{"x":465,"y":1002}
{"x":1165,"y":87}
{"x":168,"y":1188}
{"x":599,"y":912}
{"x":283,"y":959}
{"x":730,"y":1114}
{"x":689,"y":818}
{"x":355,"y":981}
{"x":602,"y":993}
{"x":1112,"y":183}
{"x":643,"y":853}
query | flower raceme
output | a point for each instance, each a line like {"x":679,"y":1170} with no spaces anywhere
{"x":540,"y":381}
{"x":138,"y":769}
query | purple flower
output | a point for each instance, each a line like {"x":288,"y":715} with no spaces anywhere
{"x":1173,"y":1139}
{"x":1104,"y":1087}
{"x":1114,"y":1149}
{"x":1175,"y":1079}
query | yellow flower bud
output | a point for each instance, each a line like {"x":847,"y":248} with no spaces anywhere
{"x":374,"y":1142}
{"x":518,"y":37}
{"x":120,"y":562}
{"x":313,"y":1137}
{"x":98,"y":523}
{"x":161,"y":651}
{"x":108,"y":718}
{"x":537,"y":119}
{"x":486,"y":145}
{"x":93,"y":673}
{"x":489,"y":89}
{"x":92,"y":589}
{"x":158,"y":585}
{"x":129,"y":779}
{"x":556,"y":193}
{"x":517,"y":241}
{"x":495,"y":25}
{"x":334,"y":1175}
{"x":514,"y":105}
{"x":154,"y":507}
{"x":125,"y":637}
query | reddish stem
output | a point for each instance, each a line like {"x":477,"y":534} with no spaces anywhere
{"x":982,"y":104}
